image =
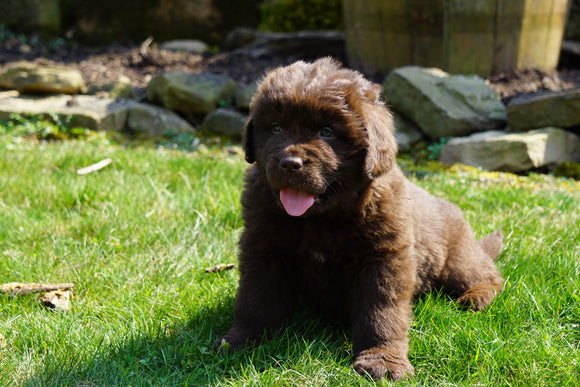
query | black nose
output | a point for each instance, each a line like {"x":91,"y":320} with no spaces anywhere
{"x":290,"y":163}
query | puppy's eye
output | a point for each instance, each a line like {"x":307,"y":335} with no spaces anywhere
{"x":326,"y":132}
{"x":276,"y":128}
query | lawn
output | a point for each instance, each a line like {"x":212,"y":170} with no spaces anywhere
{"x":136,"y":236}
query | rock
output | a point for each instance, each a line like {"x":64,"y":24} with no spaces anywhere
{"x":406,"y":133}
{"x":244,"y":96}
{"x":513,"y":152}
{"x":85,"y":111}
{"x":225,"y":122}
{"x":239,"y":37}
{"x":560,"y":109}
{"x":118,"y":89}
{"x":193,"y":46}
{"x":155,"y":121}
{"x":98,"y":113}
{"x":444,"y":105}
{"x":28,"y":78}
{"x":196,"y":94}
{"x":569,"y":54}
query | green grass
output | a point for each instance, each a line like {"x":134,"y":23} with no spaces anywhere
{"x":136,"y":236}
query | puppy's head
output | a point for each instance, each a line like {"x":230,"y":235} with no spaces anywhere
{"x":319,"y":133}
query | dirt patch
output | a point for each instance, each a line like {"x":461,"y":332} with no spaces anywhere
{"x":100,"y":65}
{"x":514,"y":83}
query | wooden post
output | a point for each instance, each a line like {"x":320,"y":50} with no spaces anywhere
{"x":508,"y":27}
{"x":427,"y":27}
{"x":461,"y":36}
{"x":470,"y":35}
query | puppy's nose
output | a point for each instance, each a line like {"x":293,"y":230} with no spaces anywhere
{"x":290,"y":163}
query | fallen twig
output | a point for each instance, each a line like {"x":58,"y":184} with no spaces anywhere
{"x":19,"y":288}
{"x":220,"y":267}
{"x":94,"y":167}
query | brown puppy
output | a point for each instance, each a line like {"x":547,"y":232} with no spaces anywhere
{"x":332,"y":223}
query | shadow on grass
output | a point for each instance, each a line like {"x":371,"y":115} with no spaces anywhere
{"x":182,"y":355}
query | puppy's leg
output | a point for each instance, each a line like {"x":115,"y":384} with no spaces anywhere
{"x":469,"y":273}
{"x":381,"y":310}
{"x":263,"y":303}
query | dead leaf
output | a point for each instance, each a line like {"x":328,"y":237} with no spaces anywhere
{"x":58,"y":300}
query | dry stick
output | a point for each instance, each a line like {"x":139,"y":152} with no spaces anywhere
{"x":220,"y":267}
{"x":18,"y":288}
{"x":94,"y":167}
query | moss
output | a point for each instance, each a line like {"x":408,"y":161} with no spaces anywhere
{"x":296,"y":15}
{"x":568,"y":169}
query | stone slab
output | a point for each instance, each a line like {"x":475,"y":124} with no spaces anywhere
{"x":513,"y":152}
{"x":444,"y":105}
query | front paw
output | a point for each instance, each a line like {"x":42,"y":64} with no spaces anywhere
{"x":378,"y":362}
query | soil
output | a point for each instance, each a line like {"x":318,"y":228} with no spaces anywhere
{"x":101,"y":65}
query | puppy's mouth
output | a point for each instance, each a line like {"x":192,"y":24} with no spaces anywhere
{"x":296,"y":201}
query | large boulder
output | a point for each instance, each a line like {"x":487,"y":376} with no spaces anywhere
{"x":513,"y":152}
{"x":98,"y":113}
{"x":196,"y":94}
{"x":444,"y":105}
{"x":30,"y":78}
{"x":560,"y":109}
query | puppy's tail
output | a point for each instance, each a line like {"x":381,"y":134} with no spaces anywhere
{"x":492,"y":244}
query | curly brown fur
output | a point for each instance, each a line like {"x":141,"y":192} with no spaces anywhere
{"x":332,"y":223}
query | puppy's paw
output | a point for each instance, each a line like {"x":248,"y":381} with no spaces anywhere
{"x":229,"y":343}
{"x":479,"y":296}
{"x":378,"y":362}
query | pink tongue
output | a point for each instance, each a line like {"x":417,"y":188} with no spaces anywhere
{"x":295,"y":202}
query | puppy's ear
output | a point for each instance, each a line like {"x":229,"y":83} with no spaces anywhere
{"x":248,"y":141}
{"x":382,"y":146}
